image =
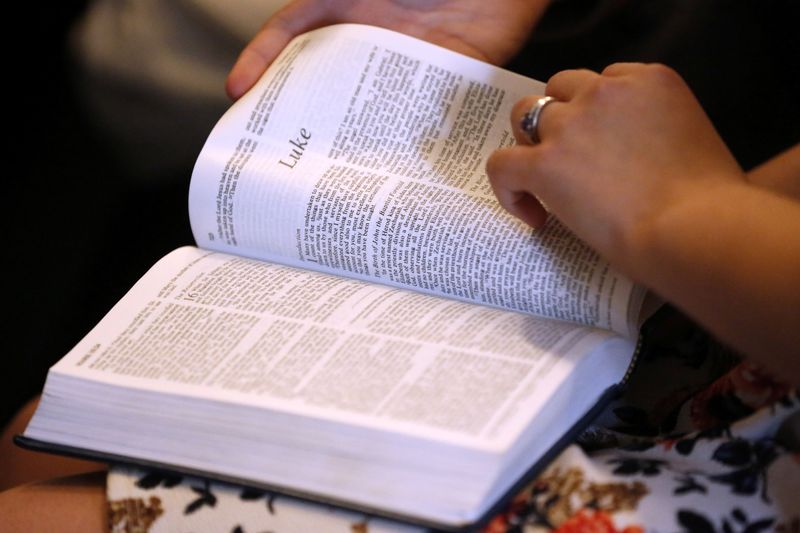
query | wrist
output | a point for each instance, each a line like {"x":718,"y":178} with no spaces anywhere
{"x":657,"y":236}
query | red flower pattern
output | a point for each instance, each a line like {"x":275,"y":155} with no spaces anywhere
{"x":749,"y":382}
{"x":585,"y":521}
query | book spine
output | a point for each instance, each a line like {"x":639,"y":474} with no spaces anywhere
{"x":632,"y":366}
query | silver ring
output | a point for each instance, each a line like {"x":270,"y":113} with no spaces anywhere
{"x":530,"y":120}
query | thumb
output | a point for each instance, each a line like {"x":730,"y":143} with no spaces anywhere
{"x":298,"y":16}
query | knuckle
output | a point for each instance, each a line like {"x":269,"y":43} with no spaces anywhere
{"x":663,"y":75}
{"x":612,"y":69}
{"x":660,"y":71}
{"x":609,"y":89}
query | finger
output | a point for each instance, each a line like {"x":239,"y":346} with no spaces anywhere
{"x":565,"y":85}
{"x":293,"y":19}
{"x":511,"y":179}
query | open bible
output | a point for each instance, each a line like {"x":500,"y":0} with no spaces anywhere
{"x":360,"y":323}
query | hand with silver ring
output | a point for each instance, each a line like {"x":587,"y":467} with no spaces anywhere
{"x":630,"y":162}
{"x":604,"y":151}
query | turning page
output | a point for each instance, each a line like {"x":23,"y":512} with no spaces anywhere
{"x":361,"y":152}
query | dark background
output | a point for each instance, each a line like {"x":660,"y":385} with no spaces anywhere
{"x":81,"y":232}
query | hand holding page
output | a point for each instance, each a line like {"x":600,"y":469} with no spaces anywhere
{"x":361,"y":323}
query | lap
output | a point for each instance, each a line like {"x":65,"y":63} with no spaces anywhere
{"x":74,"y":503}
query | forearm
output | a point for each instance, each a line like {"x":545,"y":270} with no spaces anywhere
{"x":780,"y":174}
{"x":730,"y":257}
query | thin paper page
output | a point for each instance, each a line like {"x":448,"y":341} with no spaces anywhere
{"x":362,"y":153}
{"x":236,"y":330}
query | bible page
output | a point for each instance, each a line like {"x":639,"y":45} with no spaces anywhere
{"x":361,"y":152}
{"x":213,"y":326}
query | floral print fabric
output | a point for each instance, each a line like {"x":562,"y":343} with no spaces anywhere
{"x":700,"y":442}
